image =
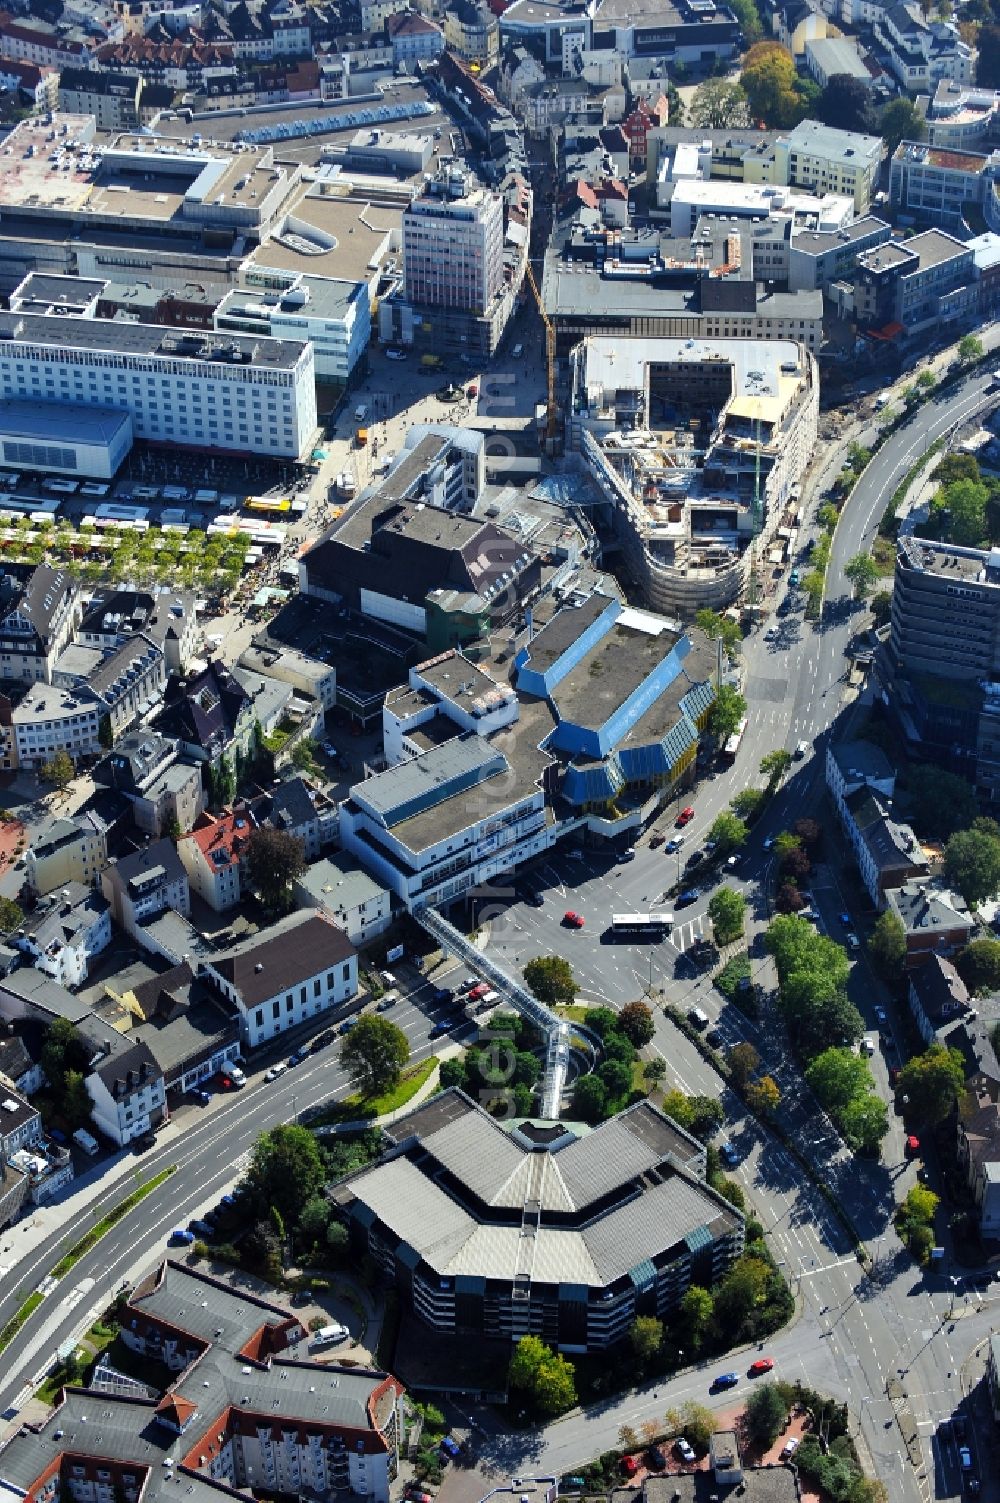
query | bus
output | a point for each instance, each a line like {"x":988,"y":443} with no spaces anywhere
{"x":732,"y":746}
{"x":274,"y":504}
{"x":642,"y":925}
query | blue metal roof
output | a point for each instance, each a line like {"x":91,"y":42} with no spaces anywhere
{"x":91,"y":425}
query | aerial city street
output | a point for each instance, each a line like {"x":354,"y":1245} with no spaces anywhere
{"x":500,"y":751}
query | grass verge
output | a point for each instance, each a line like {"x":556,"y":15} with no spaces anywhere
{"x":356,"y":1108}
{"x":100,"y":1228}
{"x":24,"y":1311}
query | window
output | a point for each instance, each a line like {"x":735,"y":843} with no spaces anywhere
{"x":318,"y":986}
{"x":275,"y":1009}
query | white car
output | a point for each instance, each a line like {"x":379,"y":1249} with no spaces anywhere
{"x":685,"y":1450}
{"x":791,"y":1446}
{"x":276,"y":1070}
{"x":395,"y":354}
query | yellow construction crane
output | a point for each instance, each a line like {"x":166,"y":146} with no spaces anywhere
{"x":552,"y":409}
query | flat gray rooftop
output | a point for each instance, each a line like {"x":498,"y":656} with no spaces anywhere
{"x":151,"y":339}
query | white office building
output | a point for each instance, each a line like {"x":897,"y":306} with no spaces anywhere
{"x":453,"y":239}
{"x":334,"y":315}
{"x":51,"y":719}
{"x":247,"y":395}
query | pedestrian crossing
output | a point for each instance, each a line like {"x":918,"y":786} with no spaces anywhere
{"x":684,"y":936}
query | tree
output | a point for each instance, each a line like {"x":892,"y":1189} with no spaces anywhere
{"x":988,"y":64}
{"x":747,"y":802}
{"x":880,"y":606}
{"x":720,"y":626}
{"x":374,"y":1053}
{"x":862,"y":571}
{"x":590,"y":1099}
{"x":694,"y":1318}
{"x":775,"y":765}
{"x":304,"y":754}
{"x":274,"y":859}
{"x":979,"y":965}
{"x":899,"y":121}
{"x":789,"y":899}
{"x":748,"y":15}
{"x":645,"y":1337}
{"x":766,"y":1413}
{"x":887,"y":946}
{"x":795,"y":864}
{"x":727,"y":910}
{"x":728,"y":831}
{"x":697,"y":1423}
{"x":864,"y":1123}
{"x":964,"y":505}
{"x":808,"y":831}
{"x":972,"y":861}
{"x":933,"y":1081}
{"x":551,"y":980}
{"x":846,"y":103}
{"x":545,"y":1379}
{"x":837,"y":1076}
{"x":63,"y":1051}
{"x":942,"y":802}
{"x":74,"y":1099}
{"x":616,"y":1077}
{"x":763,"y":1096}
{"x":970,"y":348}
{"x":313,"y":1222}
{"x":719,"y":105}
{"x":726,"y":713}
{"x":60,"y":770}
{"x":769,"y":82}
{"x":11,"y":916}
{"x":739,"y":1296}
{"x":636,"y":1022}
{"x":743,"y":1062}
{"x":286,"y":1168}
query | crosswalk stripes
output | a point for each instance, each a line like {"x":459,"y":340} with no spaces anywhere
{"x":684,"y":936}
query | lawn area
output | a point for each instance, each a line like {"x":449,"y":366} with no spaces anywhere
{"x":17,"y":1320}
{"x":87,"y":1352}
{"x":354,"y":1108}
{"x":573,"y":1014}
{"x":91,"y":1238}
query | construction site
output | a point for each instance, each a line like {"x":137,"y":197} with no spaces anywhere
{"x":699,"y":447}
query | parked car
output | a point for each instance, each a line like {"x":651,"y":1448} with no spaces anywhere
{"x":202,"y":1097}
{"x":672,"y":846}
{"x":768,"y":842}
{"x":714,"y":1037}
{"x":845,"y":919}
{"x":144,"y":1141}
{"x":630,"y":1465}
{"x":302,"y":1297}
{"x":790,"y":1447}
{"x":656,"y":840}
{"x":439,"y":1030}
{"x":450,"y":1446}
{"x":275,"y":1071}
{"x":322,"y":1039}
{"x":686,"y":898}
{"x":180,"y":1237}
{"x":684,"y":1449}
{"x":965,"y":1458}
{"x":201,"y":1228}
{"x":656,"y":1458}
{"x":912,"y":1146}
{"x":728,"y":1154}
{"x":573,"y":920}
{"x":442,"y":994}
{"x":301,"y":1053}
{"x":387,"y":1000}
{"x":392,"y":354}
{"x":685,"y":817}
{"x":762,"y":1365}
{"x":347,"y":1025}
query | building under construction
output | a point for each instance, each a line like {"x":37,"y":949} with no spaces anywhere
{"x":699,"y":447}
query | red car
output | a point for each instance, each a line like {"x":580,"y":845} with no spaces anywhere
{"x":477,"y":992}
{"x":912,"y":1146}
{"x":685,"y":817}
{"x":762,"y":1365}
{"x":472,"y":391}
{"x":629,"y":1466}
{"x":573,"y":920}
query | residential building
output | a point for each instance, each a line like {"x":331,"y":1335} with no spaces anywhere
{"x":300,"y":968}
{"x":908,"y":287}
{"x":887,"y":852}
{"x":209,"y":716}
{"x":938,"y":184}
{"x":237,"y":394}
{"x":38,"y":41}
{"x":142,"y":886}
{"x":682,"y":511}
{"x":354,"y":901}
{"x":919,"y":52}
{"x":937,"y":996}
{"x":311,"y":676}
{"x":415,"y":38}
{"x":334,"y":316}
{"x":125,"y":1085}
{"x":472,"y":31}
{"x":20,"y":1063}
{"x":470,"y":1271}
{"x":190,"y":1030}
{"x":112,"y":98}
{"x":36,"y":623}
{"x":297,"y":808}
{"x":853,"y":765}
{"x":48,"y":720}
{"x":128,"y":683}
{"x":72,"y":850}
{"x":941,"y":672}
{"x":795,"y":23}
{"x":164,"y":791}
{"x":212,"y":853}
{"x":548,"y":103}
{"x":64,"y":932}
{"x":646,"y":116}
{"x":822,"y":159}
{"x":978,"y":1145}
{"x":240,"y":1371}
{"x":935,"y":920}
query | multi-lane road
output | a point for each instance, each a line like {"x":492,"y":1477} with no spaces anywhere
{"x":853,"y":1332}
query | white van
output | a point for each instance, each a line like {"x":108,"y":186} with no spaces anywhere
{"x":699,"y":1018}
{"x":517,"y":351}
{"x":86,"y":1140}
{"x":328,"y":1336}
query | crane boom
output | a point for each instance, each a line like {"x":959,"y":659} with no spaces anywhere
{"x":552,"y":409}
